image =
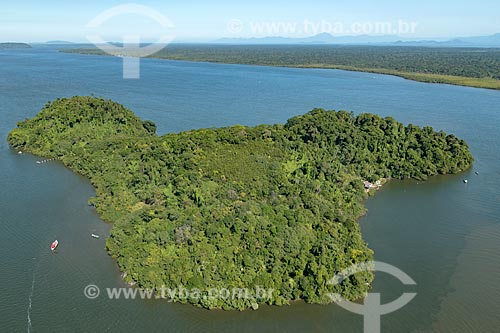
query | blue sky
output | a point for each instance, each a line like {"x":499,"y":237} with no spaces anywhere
{"x":38,"y":21}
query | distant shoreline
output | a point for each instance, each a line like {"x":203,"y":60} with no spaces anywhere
{"x":196,"y":56}
{"x":484,"y":83}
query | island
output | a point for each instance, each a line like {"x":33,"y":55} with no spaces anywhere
{"x":270,"y":206}
{"x":15,"y":46}
{"x":466,"y":66}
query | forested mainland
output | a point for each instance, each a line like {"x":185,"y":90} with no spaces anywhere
{"x":474,"y":67}
{"x":274,"y":206}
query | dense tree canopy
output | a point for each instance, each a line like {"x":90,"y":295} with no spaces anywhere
{"x":274,"y":206}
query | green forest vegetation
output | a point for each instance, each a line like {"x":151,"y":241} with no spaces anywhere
{"x":274,"y":206}
{"x":475,"y":67}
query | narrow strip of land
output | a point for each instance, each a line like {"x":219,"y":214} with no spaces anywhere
{"x":473,"y":67}
{"x":485,"y":83}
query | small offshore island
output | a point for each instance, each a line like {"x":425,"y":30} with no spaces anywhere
{"x":274,"y":206}
{"x":15,"y":46}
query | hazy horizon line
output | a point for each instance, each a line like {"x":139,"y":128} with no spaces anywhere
{"x":216,"y":39}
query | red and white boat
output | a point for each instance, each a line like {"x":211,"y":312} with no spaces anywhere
{"x":54,"y":245}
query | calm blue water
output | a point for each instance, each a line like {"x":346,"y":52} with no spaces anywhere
{"x":445,"y":234}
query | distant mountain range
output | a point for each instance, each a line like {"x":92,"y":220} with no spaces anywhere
{"x":323,"y":38}
{"x":326,"y":38}
{"x":492,"y":41}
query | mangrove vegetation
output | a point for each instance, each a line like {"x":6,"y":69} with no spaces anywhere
{"x":270,"y":206}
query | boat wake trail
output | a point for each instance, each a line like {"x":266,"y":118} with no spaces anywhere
{"x":30,"y":327}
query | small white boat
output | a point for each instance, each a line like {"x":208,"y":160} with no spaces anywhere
{"x":95,"y":236}
{"x":466,"y":181}
{"x":54,"y":245}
